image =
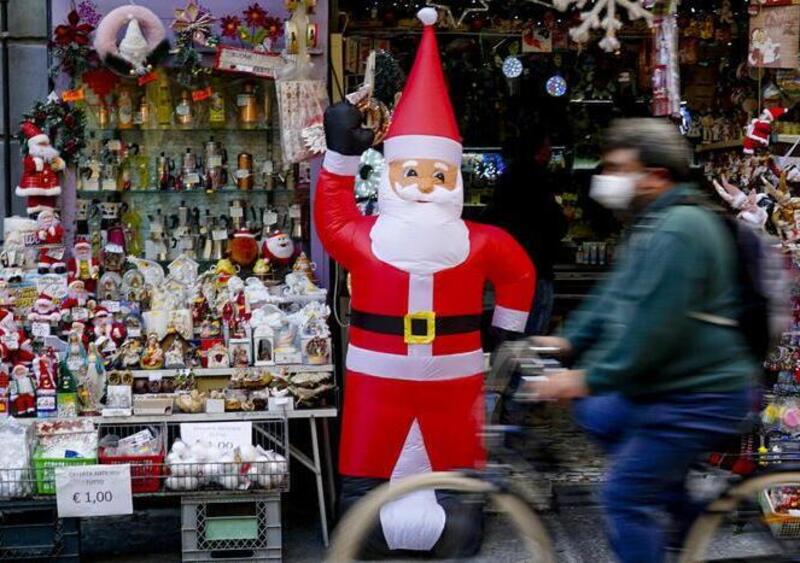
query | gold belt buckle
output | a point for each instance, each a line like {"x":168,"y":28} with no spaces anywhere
{"x":430,"y":333}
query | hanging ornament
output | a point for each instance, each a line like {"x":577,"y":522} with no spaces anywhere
{"x":556,"y":86}
{"x":512,"y":67}
{"x":143,"y":45}
{"x":369,"y":173}
{"x":196,"y":23}
{"x":610,"y":21}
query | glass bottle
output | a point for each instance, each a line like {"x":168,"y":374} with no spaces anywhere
{"x":125,"y":109}
{"x":247,"y":107}
{"x":142,"y":115}
{"x":103,"y":116}
{"x":183,"y":111}
{"x":216,"y":106}
{"x":163,"y":100}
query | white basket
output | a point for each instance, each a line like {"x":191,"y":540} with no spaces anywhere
{"x":782,"y":526}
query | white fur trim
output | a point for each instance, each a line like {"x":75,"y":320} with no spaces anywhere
{"x":25,"y":192}
{"x":423,"y":146}
{"x":414,"y":368}
{"x":420,"y":298}
{"x":414,"y":521}
{"x":428,"y":15}
{"x":341,"y":164}
{"x":36,"y":139}
{"x":509,"y":319}
{"x":36,"y":209}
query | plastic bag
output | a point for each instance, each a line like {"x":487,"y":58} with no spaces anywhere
{"x":301,"y":105}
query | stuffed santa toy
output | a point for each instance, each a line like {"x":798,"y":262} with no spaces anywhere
{"x":759,"y":131}
{"x":278,"y":248}
{"x":22,"y":392}
{"x":84,"y":266}
{"x":51,"y":234}
{"x":45,"y":310}
{"x":108,"y":333}
{"x":39,"y":182}
{"x":414,"y":368}
{"x":15,"y":346}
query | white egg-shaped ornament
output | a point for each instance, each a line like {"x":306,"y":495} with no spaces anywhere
{"x":248,"y":453}
{"x":179,"y":447}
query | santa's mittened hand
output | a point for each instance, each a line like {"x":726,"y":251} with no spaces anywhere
{"x":343,"y":131}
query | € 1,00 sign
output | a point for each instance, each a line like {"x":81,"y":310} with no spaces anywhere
{"x":93,"y":490}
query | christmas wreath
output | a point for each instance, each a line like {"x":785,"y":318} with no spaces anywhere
{"x":64,"y":123}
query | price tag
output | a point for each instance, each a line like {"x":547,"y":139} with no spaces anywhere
{"x":147,"y":78}
{"x":80,"y":313}
{"x":200,"y":95}
{"x":219,"y":234}
{"x":40,"y":330}
{"x":236,"y":212}
{"x":270,"y":218}
{"x":112,"y":306}
{"x":93,"y":490}
{"x":192,"y":178}
{"x":73,"y":95}
{"x":114,"y":145}
{"x":187,"y":244}
{"x":295,"y":212}
{"x":224,"y":435}
{"x":154,"y":377}
{"x":10,"y":340}
{"x":134,"y":332}
{"x":214,"y":161}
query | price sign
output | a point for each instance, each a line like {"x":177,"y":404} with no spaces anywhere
{"x":200,"y":95}
{"x":40,"y":330}
{"x":93,"y":490}
{"x":224,"y":435}
{"x":73,"y":95}
{"x":80,"y":313}
{"x":147,"y":78}
{"x":232,"y":59}
{"x":112,"y":306}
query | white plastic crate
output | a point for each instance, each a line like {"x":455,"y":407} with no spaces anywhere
{"x":231,"y":527}
{"x":782,"y":526}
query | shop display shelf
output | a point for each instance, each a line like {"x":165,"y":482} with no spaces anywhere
{"x":188,"y":193}
{"x":786,"y":138}
{"x":719,"y":146}
{"x":224,"y":372}
{"x":175,"y":128}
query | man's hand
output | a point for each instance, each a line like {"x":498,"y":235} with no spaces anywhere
{"x":343,"y":131}
{"x":564,"y":385}
{"x":560,"y":345}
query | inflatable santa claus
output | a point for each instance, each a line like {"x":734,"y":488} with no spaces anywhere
{"x":414,"y":382}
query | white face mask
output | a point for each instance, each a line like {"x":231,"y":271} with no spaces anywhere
{"x":614,"y":191}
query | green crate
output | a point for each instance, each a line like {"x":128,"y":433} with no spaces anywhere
{"x":44,"y":470}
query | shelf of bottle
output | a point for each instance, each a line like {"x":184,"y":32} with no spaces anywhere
{"x":227,"y":372}
{"x":176,"y":128}
{"x":188,"y":193}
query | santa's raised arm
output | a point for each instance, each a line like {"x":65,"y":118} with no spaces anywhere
{"x":414,"y":381}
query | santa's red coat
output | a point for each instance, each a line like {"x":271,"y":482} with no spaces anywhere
{"x":389,"y":383}
{"x":38,"y":178}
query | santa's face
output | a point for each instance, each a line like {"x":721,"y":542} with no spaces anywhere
{"x":280,"y":246}
{"x":43,"y":150}
{"x":423,"y":180}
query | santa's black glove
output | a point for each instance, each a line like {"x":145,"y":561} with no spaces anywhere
{"x":343,"y":131}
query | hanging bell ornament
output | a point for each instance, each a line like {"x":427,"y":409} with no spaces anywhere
{"x":376,"y":117}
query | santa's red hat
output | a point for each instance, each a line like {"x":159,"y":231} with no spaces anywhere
{"x":33,"y":133}
{"x":424,"y":124}
{"x":115,"y":241}
{"x":101,"y":313}
{"x":37,"y":203}
{"x":771,"y":114}
{"x":44,"y":301}
{"x":20,"y":369}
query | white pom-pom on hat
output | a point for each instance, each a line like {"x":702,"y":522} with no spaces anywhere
{"x":428,"y":15}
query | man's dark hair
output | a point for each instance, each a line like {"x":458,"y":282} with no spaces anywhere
{"x":658,"y":143}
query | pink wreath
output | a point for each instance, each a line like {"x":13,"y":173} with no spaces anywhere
{"x":105,"y":42}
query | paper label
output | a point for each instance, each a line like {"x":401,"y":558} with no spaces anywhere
{"x":134,"y":332}
{"x":270,"y":218}
{"x":147,"y":78}
{"x":80,"y":313}
{"x":242,"y":173}
{"x":237,"y":212}
{"x":214,"y":161}
{"x":10,"y":341}
{"x":73,"y":95}
{"x":183,"y":110}
{"x":268,"y":167}
{"x":93,"y":490}
{"x":40,"y":330}
{"x":112,"y":306}
{"x":223,"y":435}
{"x":192,"y":178}
{"x":233,"y":59}
{"x":242,"y":100}
{"x":294,"y":212}
{"x":219,"y":234}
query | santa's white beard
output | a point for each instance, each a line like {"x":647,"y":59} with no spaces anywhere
{"x":45,"y":152}
{"x":420,"y":238}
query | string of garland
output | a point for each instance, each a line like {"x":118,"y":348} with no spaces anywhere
{"x":64,"y":123}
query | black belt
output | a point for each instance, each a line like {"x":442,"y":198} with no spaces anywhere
{"x":417,"y":328}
